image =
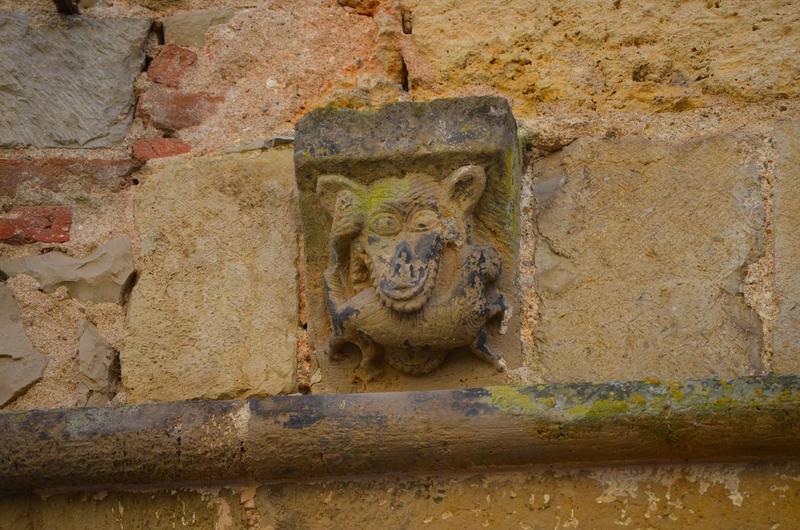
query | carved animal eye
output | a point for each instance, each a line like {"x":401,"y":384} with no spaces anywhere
{"x":423,"y":220}
{"x":385,"y":224}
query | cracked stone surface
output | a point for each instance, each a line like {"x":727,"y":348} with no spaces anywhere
{"x":20,"y":364}
{"x":102,"y":276}
{"x":68,"y":81}
{"x":642,"y":247}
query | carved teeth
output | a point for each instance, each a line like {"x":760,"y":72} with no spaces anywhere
{"x":415,"y":304}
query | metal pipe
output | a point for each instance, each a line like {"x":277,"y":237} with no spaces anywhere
{"x":318,"y":436}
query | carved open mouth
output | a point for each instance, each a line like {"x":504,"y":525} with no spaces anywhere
{"x":409,"y":295}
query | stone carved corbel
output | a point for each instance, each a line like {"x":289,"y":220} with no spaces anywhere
{"x":405,"y":280}
{"x":409,"y":224}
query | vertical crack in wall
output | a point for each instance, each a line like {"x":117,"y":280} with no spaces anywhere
{"x":405,"y":14}
{"x":759,"y":282}
{"x":529,"y":312}
{"x":303,"y":351}
{"x":403,"y":74}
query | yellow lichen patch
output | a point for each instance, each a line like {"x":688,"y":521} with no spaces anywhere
{"x":513,"y":400}
{"x":602,"y":408}
{"x":385,"y":190}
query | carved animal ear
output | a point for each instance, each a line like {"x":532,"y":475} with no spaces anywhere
{"x":329,"y":186}
{"x":464,"y":186}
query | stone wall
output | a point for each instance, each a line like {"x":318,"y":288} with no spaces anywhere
{"x":657,"y":229}
{"x":150,"y":238}
{"x":679,"y":497}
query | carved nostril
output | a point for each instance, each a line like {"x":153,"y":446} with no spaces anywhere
{"x":402,"y":254}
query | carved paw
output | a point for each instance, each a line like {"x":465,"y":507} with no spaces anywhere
{"x":333,"y":349}
{"x":487,"y":262}
{"x":369,"y":372}
{"x":482,"y":351}
{"x":500,"y":364}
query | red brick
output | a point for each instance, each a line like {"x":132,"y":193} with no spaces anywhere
{"x":170,"y":110}
{"x":52,"y":173}
{"x":170,"y":65}
{"x":148,"y":148}
{"x":29,"y":224}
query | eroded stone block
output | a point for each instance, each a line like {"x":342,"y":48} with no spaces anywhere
{"x":104,"y":275}
{"x":189,"y":28}
{"x":20,"y":364}
{"x":28,"y":224}
{"x":170,"y":65}
{"x":149,"y":148}
{"x":214,"y":312}
{"x":68,"y":82}
{"x":786,"y":339}
{"x":171,"y":110}
{"x":409,"y":217}
{"x":641,"y":252}
{"x":98,"y":367}
{"x":59,"y":174}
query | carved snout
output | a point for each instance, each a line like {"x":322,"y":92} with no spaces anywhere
{"x":406,"y":274}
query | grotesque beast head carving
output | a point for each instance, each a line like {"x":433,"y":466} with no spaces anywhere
{"x":397,"y":228}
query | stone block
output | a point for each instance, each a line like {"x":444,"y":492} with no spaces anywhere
{"x":89,"y":174}
{"x":98,"y":367}
{"x":171,"y":110}
{"x":170,"y":65}
{"x":214,"y":311}
{"x":68,"y":81}
{"x":189,"y":28}
{"x":274,"y":61}
{"x":584,"y":55}
{"x":29,"y":224}
{"x":20,"y":364}
{"x":149,"y":148}
{"x":435,"y":139}
{"x":786,"y":227}
{"x":105,"y":275}
{"x":640,"y":256}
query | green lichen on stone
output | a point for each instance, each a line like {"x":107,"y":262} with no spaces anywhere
{"x":615,"y":401}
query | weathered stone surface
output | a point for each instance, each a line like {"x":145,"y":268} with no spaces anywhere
{"x":171,"y":110}
{"x":677,"y":497}
{"x":214,"y":312}
{"x":642,"y":247}
{"x":20,"y":364}
{"x":170,"y":65}
{"x":786,"y":227}
{"x":28,"y":224}
{"x":655,"y":56}
{"x":442,"y":139}
{"x":149,"y":148}
{"x":270,"y":75}
{"x":68,"y":82}
{"x":189,"y":29}
{"x":104,"y":275}
{"x":98,"y":367}
{"x":362,"y":7}
{"x":90,"y":174}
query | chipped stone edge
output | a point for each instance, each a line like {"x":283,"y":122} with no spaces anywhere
{"x":291,"y":437}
